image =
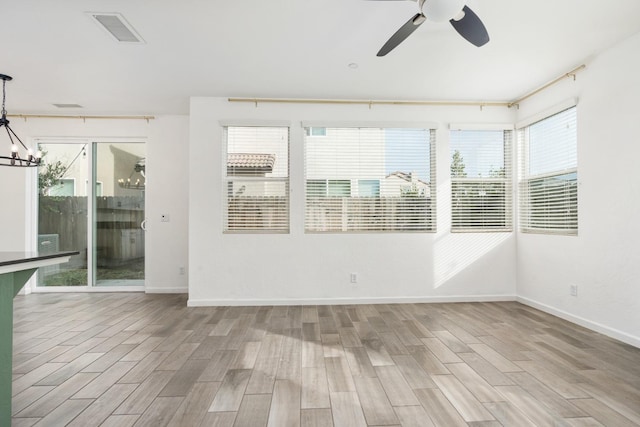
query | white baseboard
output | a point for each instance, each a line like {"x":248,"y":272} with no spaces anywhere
{"x":348,"y":301}
{"x":87,"y":289}
{"x":594,"y":326}
{"x":178,"y":290}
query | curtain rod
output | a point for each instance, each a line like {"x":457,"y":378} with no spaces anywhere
{"x":54,"y":116}
{"x":370,"y":103}
{"x":570,"y":74}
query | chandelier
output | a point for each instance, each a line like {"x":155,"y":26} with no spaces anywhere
{"x":15,"y":158}
{"x":138,"y":184}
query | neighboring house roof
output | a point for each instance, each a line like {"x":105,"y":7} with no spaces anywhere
{"x":250,"y":163}
{"x":405,"y":176}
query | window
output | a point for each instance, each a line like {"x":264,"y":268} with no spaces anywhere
{"x":480,"y":180}
{"x":315,"y":131}
{"x":98,"y":190}
{"x":66,"y":187}
{"x":339,"y":188}
{"x":256,"y":184}
{"x":329,"y":187}
{"x":370,"y":179}
{"x":549,"y":175}
{"x":369,"y":188}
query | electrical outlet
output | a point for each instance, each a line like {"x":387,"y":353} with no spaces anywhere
{"x":573,"y":290}
{"x":354,"y":277}
{"x":181,"y":271}
{"x":165,"y":218}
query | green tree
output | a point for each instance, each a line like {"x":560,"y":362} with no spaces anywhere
{"x":50,"y":175}
{"x":457,"y":165}
{"x":497,"y":173}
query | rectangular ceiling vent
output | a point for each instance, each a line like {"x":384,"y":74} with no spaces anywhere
{"x":117,"y":27}
{"x":68,"y":105}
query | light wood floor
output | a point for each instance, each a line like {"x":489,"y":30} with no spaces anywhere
{"x":148,"y":360}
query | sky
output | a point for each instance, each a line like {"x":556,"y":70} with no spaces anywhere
{"x":553,"y":143}
{"x":481,"y":151}
{"x":408,"y":150}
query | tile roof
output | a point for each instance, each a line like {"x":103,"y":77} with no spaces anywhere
{"x":253,"y":162}
{"x":405,"y":176}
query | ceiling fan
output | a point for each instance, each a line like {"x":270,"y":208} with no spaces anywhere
{"x":461,"y":17}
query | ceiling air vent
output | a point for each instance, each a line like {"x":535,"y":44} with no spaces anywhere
{"x":68,"y":105}
{"x":117,"y":27}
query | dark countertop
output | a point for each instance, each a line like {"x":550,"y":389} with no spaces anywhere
{"x":10,"y":258}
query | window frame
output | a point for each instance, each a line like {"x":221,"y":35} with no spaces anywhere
{"x":506,"y":181}
{"x":570,"y":187}
{"x":385,"y":226}
{"x":229,"y":179}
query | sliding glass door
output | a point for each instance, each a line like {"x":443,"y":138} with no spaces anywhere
{"x":119,"y":212}
{"x":63,"y":212}
{"x":91,"y":199}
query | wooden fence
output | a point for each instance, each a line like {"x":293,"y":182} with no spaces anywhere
{"x":369,"y":214}
{"x":332,"y":213}
{"x":119,"y":238}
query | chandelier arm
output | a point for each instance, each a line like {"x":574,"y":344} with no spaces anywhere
{"x":6,"y":126}
{"x":4,"y":96}
{"x":11,"y":132}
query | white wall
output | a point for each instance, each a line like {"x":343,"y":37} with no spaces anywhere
{"x":167,"y":164}
{"x":604,"y":259}
{"x":314,"y":268}
{"x":168,"y":194}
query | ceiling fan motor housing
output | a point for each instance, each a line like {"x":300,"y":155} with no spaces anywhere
{"x":442,"y":10}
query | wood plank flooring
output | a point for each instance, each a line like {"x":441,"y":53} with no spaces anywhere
{"x":132,"y":359}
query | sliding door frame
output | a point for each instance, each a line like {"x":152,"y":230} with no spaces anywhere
{"x":31,"y":208}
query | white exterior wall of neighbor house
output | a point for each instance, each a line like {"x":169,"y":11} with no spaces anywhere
{"x":315,"y":268}
{"x":395,"y":183}
{"x":166,"y":140}
{"x":326,"y":165}
{"x":78,"y":171}
{"x":604,"y":259}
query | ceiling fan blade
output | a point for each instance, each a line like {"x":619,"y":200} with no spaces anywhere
{"x":404,"y":32}
{"x":471,"y":28}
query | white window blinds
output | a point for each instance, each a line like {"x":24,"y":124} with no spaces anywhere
{"x":256,"y":183}
{"x":549,"y":175}
{"x":364,"y":179}
{"x":481,"y":180}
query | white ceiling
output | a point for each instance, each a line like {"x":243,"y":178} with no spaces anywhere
{"x":289,"y":48}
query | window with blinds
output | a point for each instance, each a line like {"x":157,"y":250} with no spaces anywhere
{"x":481,"y":180}
{"x":256,"y":181}
{"x":364,"y":179}
{"x":549,"y":175}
